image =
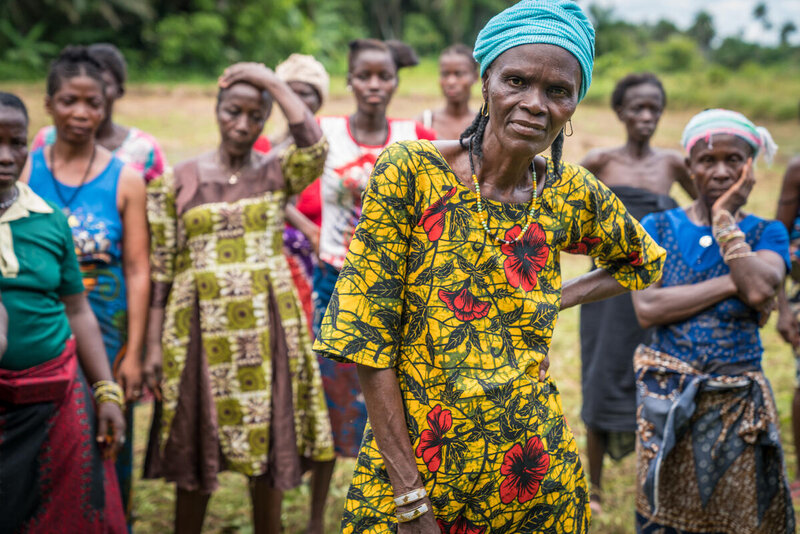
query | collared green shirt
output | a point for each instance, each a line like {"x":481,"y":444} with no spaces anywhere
{"x":37,"y":267}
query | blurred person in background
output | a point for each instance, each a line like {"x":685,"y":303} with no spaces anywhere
{"x":309,"y":80}
{"x":241,"y":387}
{"x":641,"y":176}
{"x":134,"y":147}
{"x":458,"y":72}
{"x":709,"y":457}
{"x":104,"y":201}
{"x":355,"y":142}
{"x":56,"y":445}
{"x":789,"y":306}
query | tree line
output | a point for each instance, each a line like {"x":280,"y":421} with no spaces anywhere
{"x":173,"y":37}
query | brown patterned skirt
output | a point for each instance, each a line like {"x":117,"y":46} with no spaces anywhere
{"x":709,"y":458}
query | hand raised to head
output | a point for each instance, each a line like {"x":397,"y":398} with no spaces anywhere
{"x":256,"y":74}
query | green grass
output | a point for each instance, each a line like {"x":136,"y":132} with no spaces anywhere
{"x":181,"y":117}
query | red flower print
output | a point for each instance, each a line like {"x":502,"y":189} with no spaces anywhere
{"x":524,"y":470}
{"x":526,"y":257}
{"x":464,"y":304}
{"x":584,"y":246}
{"x":431,"y":441}
{"x":433,"y":218}
{"x":634,"y":258}
{"x":462,"y":525}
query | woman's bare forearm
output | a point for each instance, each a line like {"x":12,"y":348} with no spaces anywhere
{"x":590,"y":287}
{"x":297,"y":219}
{"x":388,"y":420}
{"x":658,"y":305}
{"x":91,"y":351}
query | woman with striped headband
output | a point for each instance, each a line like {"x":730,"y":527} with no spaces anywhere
{"x":451,"y":288}
{"x":709,"y":454}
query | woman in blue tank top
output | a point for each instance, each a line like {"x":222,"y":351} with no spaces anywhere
{"x":104,"y":201}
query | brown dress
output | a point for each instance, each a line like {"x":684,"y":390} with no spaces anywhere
{"x":241,"y":388}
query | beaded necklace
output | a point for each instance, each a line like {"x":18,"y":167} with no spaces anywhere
{"x":482,"y":214}
{"x":7,"y":203}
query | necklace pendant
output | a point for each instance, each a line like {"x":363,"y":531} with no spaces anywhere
{"x":234,"y":179}
{"x":706,"y":241}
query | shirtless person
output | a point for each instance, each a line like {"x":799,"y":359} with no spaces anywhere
{"x":789,"y":309}
{"x":458,"y":72}
{"x":641,"y":176}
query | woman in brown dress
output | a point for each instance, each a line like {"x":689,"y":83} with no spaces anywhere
{"x":241,"y":387}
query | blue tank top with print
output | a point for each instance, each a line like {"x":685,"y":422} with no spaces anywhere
{"x":92,"y":212}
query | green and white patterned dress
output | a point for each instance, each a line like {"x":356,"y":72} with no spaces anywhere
{"x":240,"y":379}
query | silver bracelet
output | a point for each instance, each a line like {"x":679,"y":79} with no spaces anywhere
{"x":411,"y":515}
{"x":410,"y":497}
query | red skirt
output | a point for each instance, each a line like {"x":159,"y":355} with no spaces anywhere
{"x":52,"y":474}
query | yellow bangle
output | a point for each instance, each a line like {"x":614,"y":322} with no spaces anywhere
{"x":108,"y":391}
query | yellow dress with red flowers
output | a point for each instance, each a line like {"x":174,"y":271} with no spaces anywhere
{"x":465,"y":322}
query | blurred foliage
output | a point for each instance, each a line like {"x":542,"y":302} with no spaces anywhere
{"x":167,"y":40}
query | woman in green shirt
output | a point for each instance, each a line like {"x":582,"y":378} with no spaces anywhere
{"x":47,"y":417}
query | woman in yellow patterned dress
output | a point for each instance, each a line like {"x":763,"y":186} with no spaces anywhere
{"x":451,"y":289}
{"x":241,"y":387}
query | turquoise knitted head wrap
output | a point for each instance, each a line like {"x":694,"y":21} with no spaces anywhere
{"x":555,"y":22}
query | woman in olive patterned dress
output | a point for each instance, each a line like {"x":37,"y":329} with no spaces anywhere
{"x":241,"y":388}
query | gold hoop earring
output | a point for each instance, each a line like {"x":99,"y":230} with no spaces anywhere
{"x":485,"y":109}
{"x":571,"y":131}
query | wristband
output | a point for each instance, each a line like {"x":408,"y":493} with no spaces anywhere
{"x":411,"y":497}
{"x":411,"y":515}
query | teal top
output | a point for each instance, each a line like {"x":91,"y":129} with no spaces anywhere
{"x":37,"y":270}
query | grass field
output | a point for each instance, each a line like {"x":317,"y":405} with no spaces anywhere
{"x":181,"y":117}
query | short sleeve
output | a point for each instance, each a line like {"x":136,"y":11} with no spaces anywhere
{"x":301,"y":165}
{"x":651,"y":227}
{"x":156,"y":161}
{"x":71,"y":280}
{"x":163,"y":221}
{"x":602,"y":228}
{"x":775,"y":238}
{"x":363,"y":321}
{"x":41,"y":138}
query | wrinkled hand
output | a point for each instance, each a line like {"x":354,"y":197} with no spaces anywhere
{"x":425,"y":524}
{"x":256,"y":74}
{"x":736,"y":197}
{"x":788,"y":328}
{"x":129,"y":377}
{"x":152,"y":369}
{"x":766,"y":310}
{"x":543,"y":367}
{"x":110,"y":429}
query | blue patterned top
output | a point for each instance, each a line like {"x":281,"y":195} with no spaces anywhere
{"x":727,"y":332}
{"x":92,"y":214}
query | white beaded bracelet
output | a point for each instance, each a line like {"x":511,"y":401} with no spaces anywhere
{"x":411,"y":496}
{"x":411,"y":515}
